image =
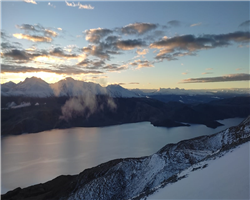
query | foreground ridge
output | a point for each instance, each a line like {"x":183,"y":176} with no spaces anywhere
{"x":135,"y":178}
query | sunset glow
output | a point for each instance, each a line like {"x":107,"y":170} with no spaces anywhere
{"x":158,"y":45}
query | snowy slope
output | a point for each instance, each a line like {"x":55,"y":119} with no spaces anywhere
{"x":118,"y":91}
{"x":33,"y":87}
{"x":5,"y":88}
{"x":224,"y":178}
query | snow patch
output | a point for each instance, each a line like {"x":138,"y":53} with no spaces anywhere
{"x":23,"y":104}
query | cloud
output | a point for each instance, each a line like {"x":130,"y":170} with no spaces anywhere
{"x":3,"y":35}
{"x":32,"y":54}
{"x":243,"y":46}
{"x":164,"y":54}
{"x":209,"y":69}
{"x":85,"y":105}
{"x":129,"y":44}
{"x":50,"y":4}
{"x":33,"y":48}
{"x":174,"y":23}
{"x":17,"y":55}
{"x":198,"y":24}
{"x":60,"y":29}
{"x":30,"y":1}
{"x":138,"y":28}
{"x":181,"y":54}
{"x":141,"y":63}
{"x":131,"y":83}
{"x":85,"y":6}
{"x":85,"y":62}
{"x":27,"y":27}
{"x":60,"y":53}
{"x":238,"y":69}
{"x":95,"y":35}
{"x":50,"y":33}
{"x":37,"y":28}
{"x":90,"y":64}
{"x":73,"y":69}
{"x":207,"y":73}
{"x":112,"y":39}
{"x":8,"y":46}
{"x":143,"y":52}
{"x":79,"y":5}
{"x":99,"y":77}
{"x":97,"y":51}
{"x":134,"y":83}
{"x":115,"y":67}
{"x":245,"y":24}
{"x":113,"y":52}
{"x":70,"y":48}
{"x":184,"y":73}
{"x":191,"y":43}
{"x":168,"y":57}
{"x":32,"y":38}
{"x":100,"y":64}
{"x":226,"y":78}
{"x":58,"y":69}
{"x":154,"y":35}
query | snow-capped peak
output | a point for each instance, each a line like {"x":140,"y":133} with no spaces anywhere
{"x":9,"y":84}
{"x":118,"y":91}
{"x":34,"y":87}
{"x":69,"y":79}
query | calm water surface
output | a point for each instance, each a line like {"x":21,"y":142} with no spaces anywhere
{"x":34,"y":158}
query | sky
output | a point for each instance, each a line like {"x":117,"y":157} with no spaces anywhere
{"x":145,"y":45}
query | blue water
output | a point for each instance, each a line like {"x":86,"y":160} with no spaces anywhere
{"x":30,"y":159}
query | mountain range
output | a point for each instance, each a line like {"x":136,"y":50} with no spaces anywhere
{"x":34,"y":105}
{"x":36,"y":87}
{"x":31,"y":115}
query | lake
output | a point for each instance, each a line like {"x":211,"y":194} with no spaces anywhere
{"x":30,"y":159}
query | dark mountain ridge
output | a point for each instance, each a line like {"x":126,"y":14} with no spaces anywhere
{"x":47,"y":114}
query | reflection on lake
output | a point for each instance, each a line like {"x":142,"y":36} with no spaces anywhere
{"x":34,"y":158}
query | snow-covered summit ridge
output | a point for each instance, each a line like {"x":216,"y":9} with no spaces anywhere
{"x":36,"y":87}
{"x":32,"y":87}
